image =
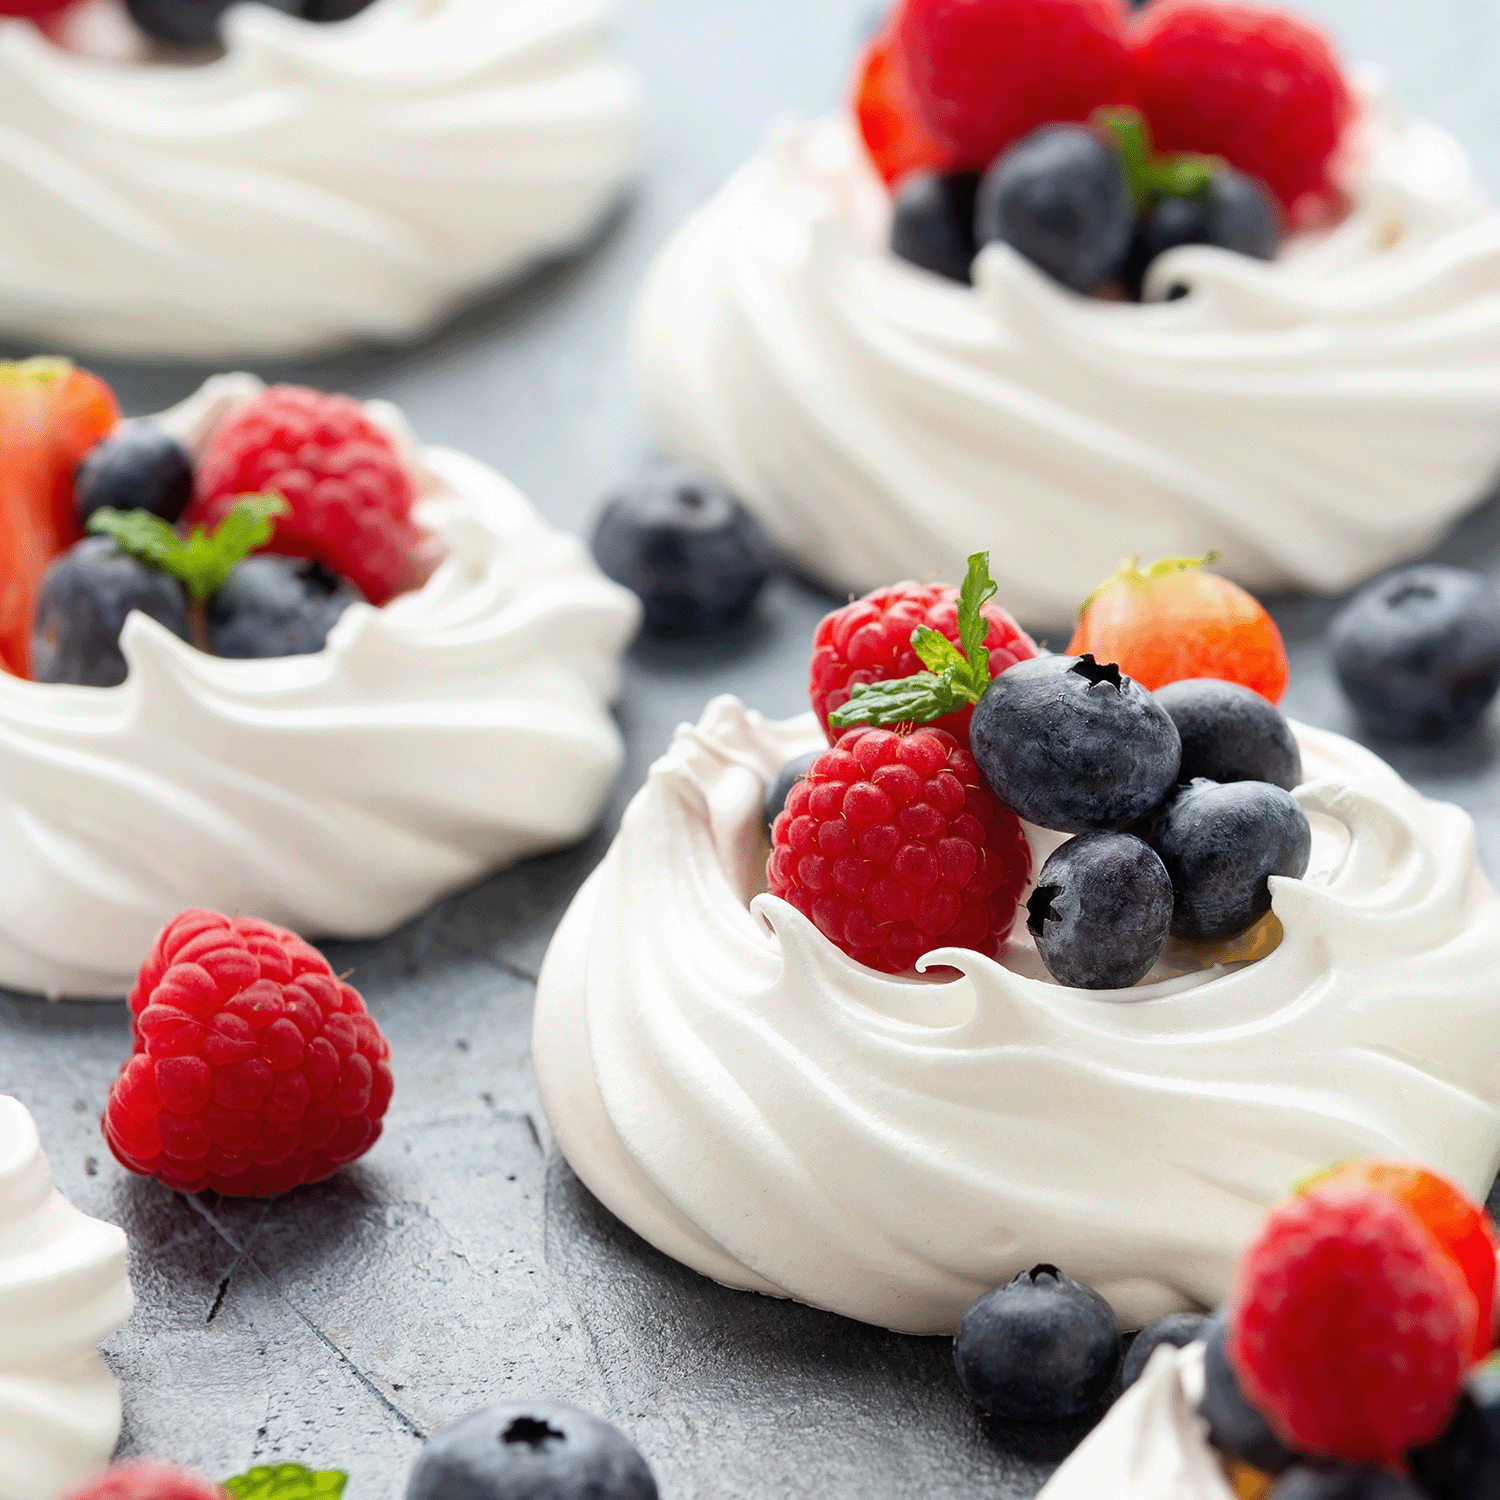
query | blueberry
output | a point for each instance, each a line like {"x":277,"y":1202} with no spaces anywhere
{"x":695,"y":556}
{"x":82,"y":605}
{"x":1038,"y":1349}
{"x":1418,"y":652}
{"x":1101,"y":911}
{"x":1220,"y":844}
{"x":1464,"y":1463}
{"x":1234,"y":213}
{"x":1071,"y":744}
{"x":1338,"y":1482}
{"x":540,"y":1450}
{"x":277,"y":606}
{"x":1230,"y":733}
{"x":1178,"y":1329}
{"x":933,"y":225}
{"x":190,"y":23}
{"x":1060,"y":197}
{"x":139,"y":468}
{"x":1236,"y":1427}
{"x":781,"y":787}
{"x":333,"y":10}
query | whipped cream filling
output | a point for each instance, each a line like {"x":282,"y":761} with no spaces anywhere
{"x":463,"y":726}
{"x":1313,"y":419}
{"x":63,"y":1288}
{"x":315,"y":184}
{"x":1152,"y":1444}
{"x":782,"y":1119}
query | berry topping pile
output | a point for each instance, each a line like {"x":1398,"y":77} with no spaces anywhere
{"x":254,"y":1068}
{"x":907,"y":835}
{"x":102,"y":520}
{"x":1091,"y":141}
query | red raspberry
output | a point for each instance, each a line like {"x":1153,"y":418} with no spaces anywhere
{"x":870,"y":641}
{"x":254,"y":1071}
{"x":144,"y":1480}
{"x":32,"y":9}
{"x":894,"y":135}
{"x":1352,"y":1328}
{"x":1259,"y":87}
{"x":893,"y":845}
{"x":986,"y":72}
{"x":351,"y":497}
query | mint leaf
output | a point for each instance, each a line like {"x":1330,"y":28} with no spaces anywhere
{"x":287,"y":1482}
{"x":954,"y":678}
{"x":201,"y":563}
{"x":1150,"y":173}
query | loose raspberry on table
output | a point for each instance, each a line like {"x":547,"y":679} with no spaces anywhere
{"x":893,"y":846}
{"x":255,"y":1070}
{"x":1260,"y":87}
{"x":350,"y":495}
{"x":146,"y":1480}
{"x":1352,"y":1329}
{"x":870,"y":641}
{"x":986,"y":72}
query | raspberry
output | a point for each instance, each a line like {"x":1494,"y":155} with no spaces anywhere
{"x":870,"y":641}
{"x":986,"y":72}
{"x":350,"y":495}
{"x":1352,"y":1329}
{"x":893,"y":846}
{"x":894,"y":135}
{"x":144,"y":1480}
{"x":254,"y":1069}
{"x":32,"y":9}
{"x":1259,"y":87}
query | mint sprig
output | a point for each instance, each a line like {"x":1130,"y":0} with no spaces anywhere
{"x":1154,"y":174}
{"x":287,"y":1482}
{"x":954,"y":678}
{"x":201,"y":563}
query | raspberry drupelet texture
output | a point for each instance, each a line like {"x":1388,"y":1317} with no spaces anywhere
{"x":255,"y":1069}
{"x":1352,"y":1328}
{"x":146,"y":1480}
{"x":893,"y":846}
{"x":350,"y":494}
{"x":870,"y":641}
{"x":1260,"y":87}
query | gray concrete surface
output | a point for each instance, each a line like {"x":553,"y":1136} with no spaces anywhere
{"x":461,"y":1261}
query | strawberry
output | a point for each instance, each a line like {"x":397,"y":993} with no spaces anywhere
{"x":1257,"y":86}
{"x":51,"y":414}
{"x":986,"y":72}
{"x":893,"y":131}
{"x":1172,"y":621}
{"x":1461,"y":1228}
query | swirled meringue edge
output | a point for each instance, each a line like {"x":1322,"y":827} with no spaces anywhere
{"x":762,"y":1108}
{"x":463,"y":726}
{"x":64,"y":1286}
{"x":1313,"y":419}
{"x":316,"y":184}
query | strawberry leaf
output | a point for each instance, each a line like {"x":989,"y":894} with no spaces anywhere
{"x":201,"y":563}
{"x":287,"y":1482}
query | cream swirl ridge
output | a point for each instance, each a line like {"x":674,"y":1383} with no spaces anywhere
{"x":63,"y":1288}
{"x":463,"y":726}
{"x":316,"y":184}
{"x":1313,"y":419}
{"x":782,"y":1119}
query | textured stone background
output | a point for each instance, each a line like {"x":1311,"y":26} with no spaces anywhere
{"x":461,"y":1261}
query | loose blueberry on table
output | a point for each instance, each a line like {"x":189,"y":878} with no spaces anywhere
{"x":686,"y":547}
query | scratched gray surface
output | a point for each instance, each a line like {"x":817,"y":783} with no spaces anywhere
{"x":461,"y":1262}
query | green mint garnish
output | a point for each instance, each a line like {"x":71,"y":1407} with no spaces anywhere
{"x":287,"y":1482}
{"x":953,"y":679}
{"x":1153,"y":174}
{"x":201,"y":563}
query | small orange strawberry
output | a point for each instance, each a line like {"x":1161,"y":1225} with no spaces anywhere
{"x":1172,"y":620}
{"x":1461,"y":1227}
{"x":892,"y":128}
{"x":51,"y":414}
